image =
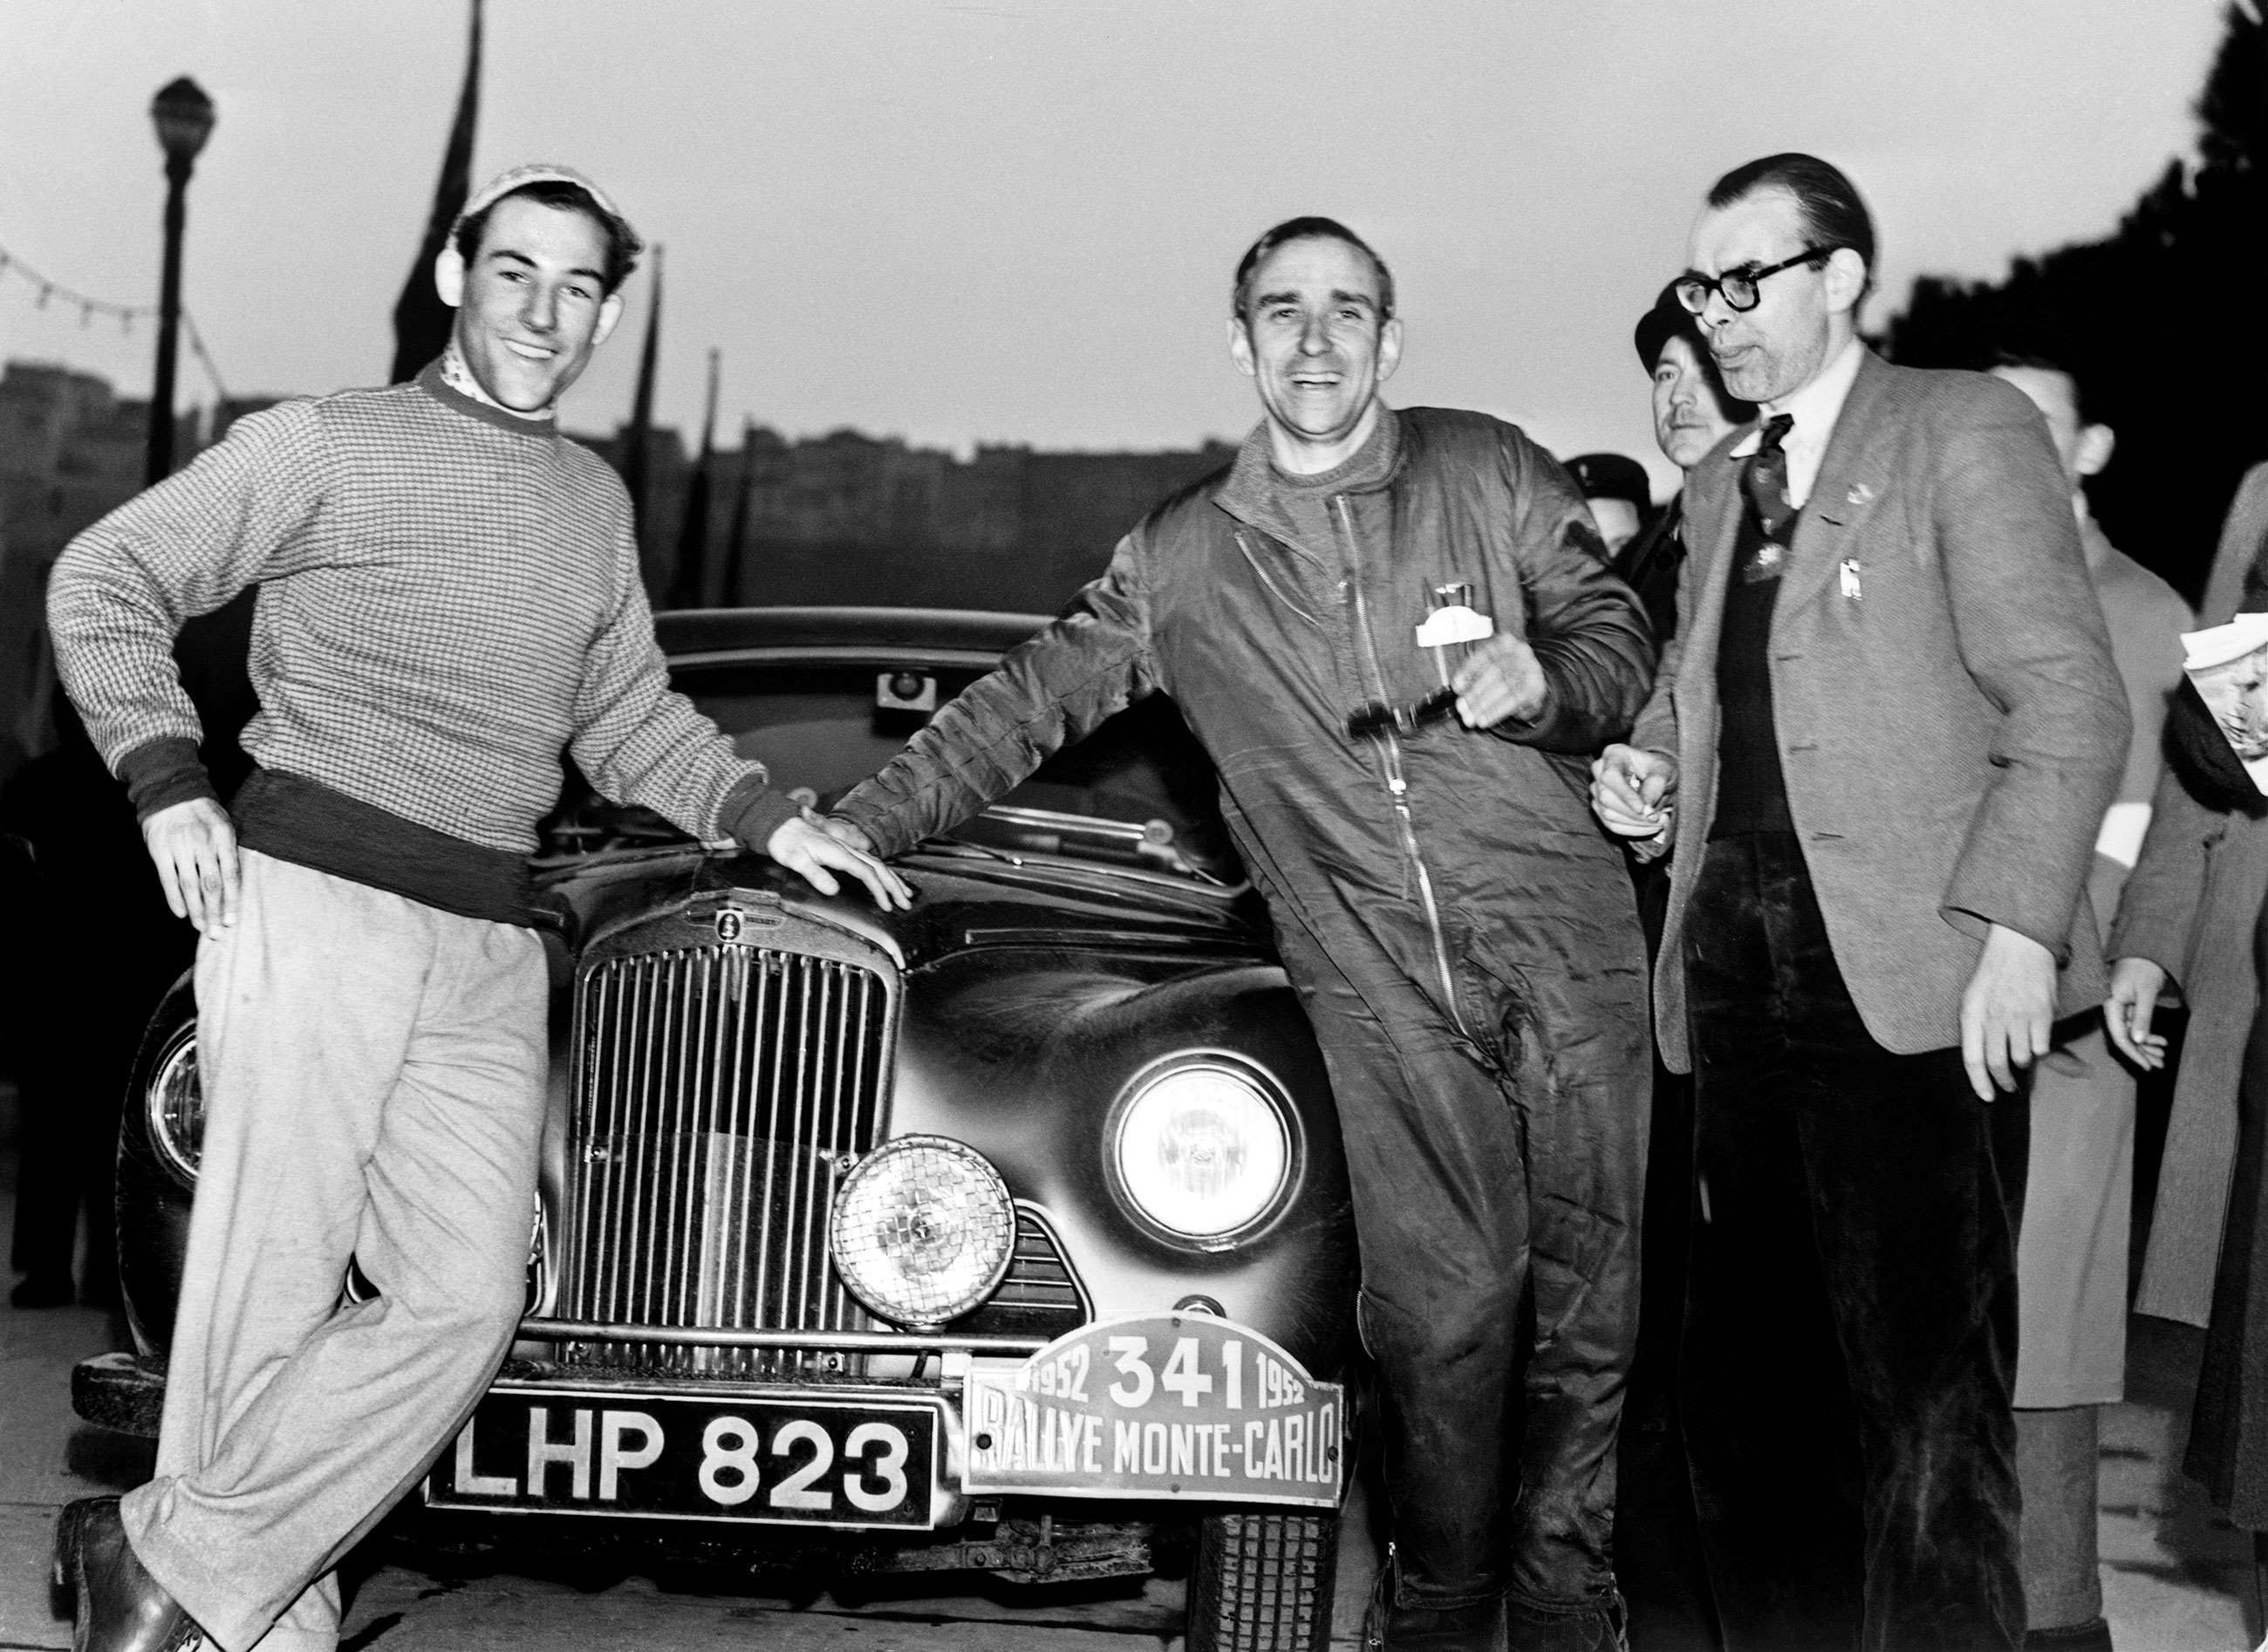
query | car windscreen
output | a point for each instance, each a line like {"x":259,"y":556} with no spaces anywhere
{"x":820,"y":728}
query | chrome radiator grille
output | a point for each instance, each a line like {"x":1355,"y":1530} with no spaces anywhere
{"x":716,"y":1090}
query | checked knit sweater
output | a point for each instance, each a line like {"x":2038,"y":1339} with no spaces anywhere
{"x":449,"y":597}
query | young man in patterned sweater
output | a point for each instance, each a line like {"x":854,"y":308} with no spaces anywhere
{"x":449,"y":597}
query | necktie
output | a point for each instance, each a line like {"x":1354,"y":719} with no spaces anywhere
{"x":1764,"y":481}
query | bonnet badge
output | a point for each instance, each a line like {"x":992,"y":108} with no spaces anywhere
{"x":732,"y":917}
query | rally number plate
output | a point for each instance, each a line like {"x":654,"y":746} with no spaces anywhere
{"x":1180,"y":1406}
{"x":656,"y":1456}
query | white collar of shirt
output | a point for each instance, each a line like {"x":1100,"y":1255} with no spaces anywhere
{"x":1814,"y":408}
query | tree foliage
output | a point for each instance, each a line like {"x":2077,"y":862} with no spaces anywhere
{"x":2164,"y":324}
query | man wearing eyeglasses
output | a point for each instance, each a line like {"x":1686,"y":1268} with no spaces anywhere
{"x":1880,"y":749}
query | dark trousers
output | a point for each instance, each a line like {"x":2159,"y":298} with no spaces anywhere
{"x":1497,"y":1186}
{"x":1851,"y":1333}
{"x":1657,"y":1542}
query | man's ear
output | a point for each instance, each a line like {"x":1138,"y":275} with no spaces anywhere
{"x":1239,"y":347}
{"x":449,"y":276}
{"x":1390,"y":347}
{"x":1846,"y":279}
{"x":610,"y":311}
{"x":2095,"y":444}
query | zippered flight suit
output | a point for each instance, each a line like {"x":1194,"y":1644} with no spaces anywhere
{"x":1463,"y":937}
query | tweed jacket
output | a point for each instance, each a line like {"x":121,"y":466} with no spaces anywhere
{"x":2192,"y":908}
{"x":1949,"y":722}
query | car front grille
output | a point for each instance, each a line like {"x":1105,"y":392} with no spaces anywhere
{"x":716,"y":1089}
{"x":1040,"y":1295}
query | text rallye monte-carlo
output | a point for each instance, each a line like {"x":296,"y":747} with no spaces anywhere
{"x":1009,"y":1234}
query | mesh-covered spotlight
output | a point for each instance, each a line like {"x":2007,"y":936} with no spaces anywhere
{"x":922,"y":1230}
{"x":1202,"y":1152}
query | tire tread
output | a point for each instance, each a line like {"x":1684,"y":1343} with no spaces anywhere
{"x":1263,"y":1583}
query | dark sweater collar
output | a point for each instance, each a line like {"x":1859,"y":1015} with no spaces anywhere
{"x":1254,"y":486}
{"x":543,"y":430}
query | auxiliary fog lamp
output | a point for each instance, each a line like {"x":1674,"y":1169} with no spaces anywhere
{"x":922,"y":1230}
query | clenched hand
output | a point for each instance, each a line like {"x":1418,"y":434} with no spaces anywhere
{"x":2008,"y":1011}
{"x":808,"y":849}
{"x":193,"y":845}
{"x":1501,"y":679}
{"x":1633,"y":790}
{"x":2135,"y":984}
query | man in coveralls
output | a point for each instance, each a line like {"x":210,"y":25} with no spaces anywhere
{"x":1462,"y":936}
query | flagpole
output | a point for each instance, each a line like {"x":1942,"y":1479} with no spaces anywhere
{"x":688,"y":588}
{"x":639,"y":437}
{"x":422,"y":322}
{"x":736,"y":547}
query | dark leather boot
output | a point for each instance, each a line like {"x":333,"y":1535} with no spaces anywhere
{"x":116,"y":1606}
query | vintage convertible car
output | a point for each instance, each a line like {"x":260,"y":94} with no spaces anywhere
{"x":1007,"y":1234}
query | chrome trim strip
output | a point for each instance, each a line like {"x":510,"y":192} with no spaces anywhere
{"x":533,"y":1329}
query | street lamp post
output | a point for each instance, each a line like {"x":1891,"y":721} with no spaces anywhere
{"x":184,"y":117}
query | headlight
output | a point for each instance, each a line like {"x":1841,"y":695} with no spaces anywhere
{"x":176,"y":1104}
{"x":1202,"y":1149}
{"x":922,"y":1230}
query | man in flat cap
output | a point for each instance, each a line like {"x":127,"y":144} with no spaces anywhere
{"x":1657,"y":1542}
{"x":449,"y":597}
{"x":1692,"y":412}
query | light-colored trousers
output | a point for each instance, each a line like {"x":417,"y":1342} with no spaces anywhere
{"x":373,"y":1074}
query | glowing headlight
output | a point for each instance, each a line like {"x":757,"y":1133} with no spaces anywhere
{"x":922,"y":1230}
{"x":1200,"y":1149}
{"x":176,"y":1104}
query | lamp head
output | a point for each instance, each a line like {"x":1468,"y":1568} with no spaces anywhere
{"x":184,"y":118}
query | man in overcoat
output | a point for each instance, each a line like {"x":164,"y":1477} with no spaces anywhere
{"x":1462,"y":936}
{"x":2070,"y":1259}
{"x":1882,"y":745}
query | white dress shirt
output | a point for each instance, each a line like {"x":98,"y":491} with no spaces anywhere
{"x":1815,"y":407}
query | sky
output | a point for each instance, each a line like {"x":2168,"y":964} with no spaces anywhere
{"x":978,"y":221}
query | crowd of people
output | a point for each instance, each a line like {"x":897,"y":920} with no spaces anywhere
{"x":1733,"y":990}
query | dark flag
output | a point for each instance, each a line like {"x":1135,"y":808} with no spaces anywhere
{"x":693,"y":534}
{"x":421,"y":320}
{"x":640,"y":436}
{"x":736,"y":547}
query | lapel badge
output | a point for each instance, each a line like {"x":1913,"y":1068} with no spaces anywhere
{"x":1851,"y":580}
{"x":1860,"y":494}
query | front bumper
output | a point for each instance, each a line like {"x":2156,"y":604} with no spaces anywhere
{"x":1185,"y":1408}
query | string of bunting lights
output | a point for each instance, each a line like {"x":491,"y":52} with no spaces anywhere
{"x":53,"y":291}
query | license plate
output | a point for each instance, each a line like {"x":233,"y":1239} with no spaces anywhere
{"x":656,"y":1456}
{"x":1180,"y":1406}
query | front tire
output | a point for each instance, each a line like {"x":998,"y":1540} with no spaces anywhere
{"x":1263,"y":1582}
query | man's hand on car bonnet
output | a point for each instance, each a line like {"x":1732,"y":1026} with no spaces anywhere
{"x":809,"y":850}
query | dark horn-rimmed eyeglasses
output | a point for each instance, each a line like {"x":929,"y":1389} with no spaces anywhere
{"x":1737,"y":286}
